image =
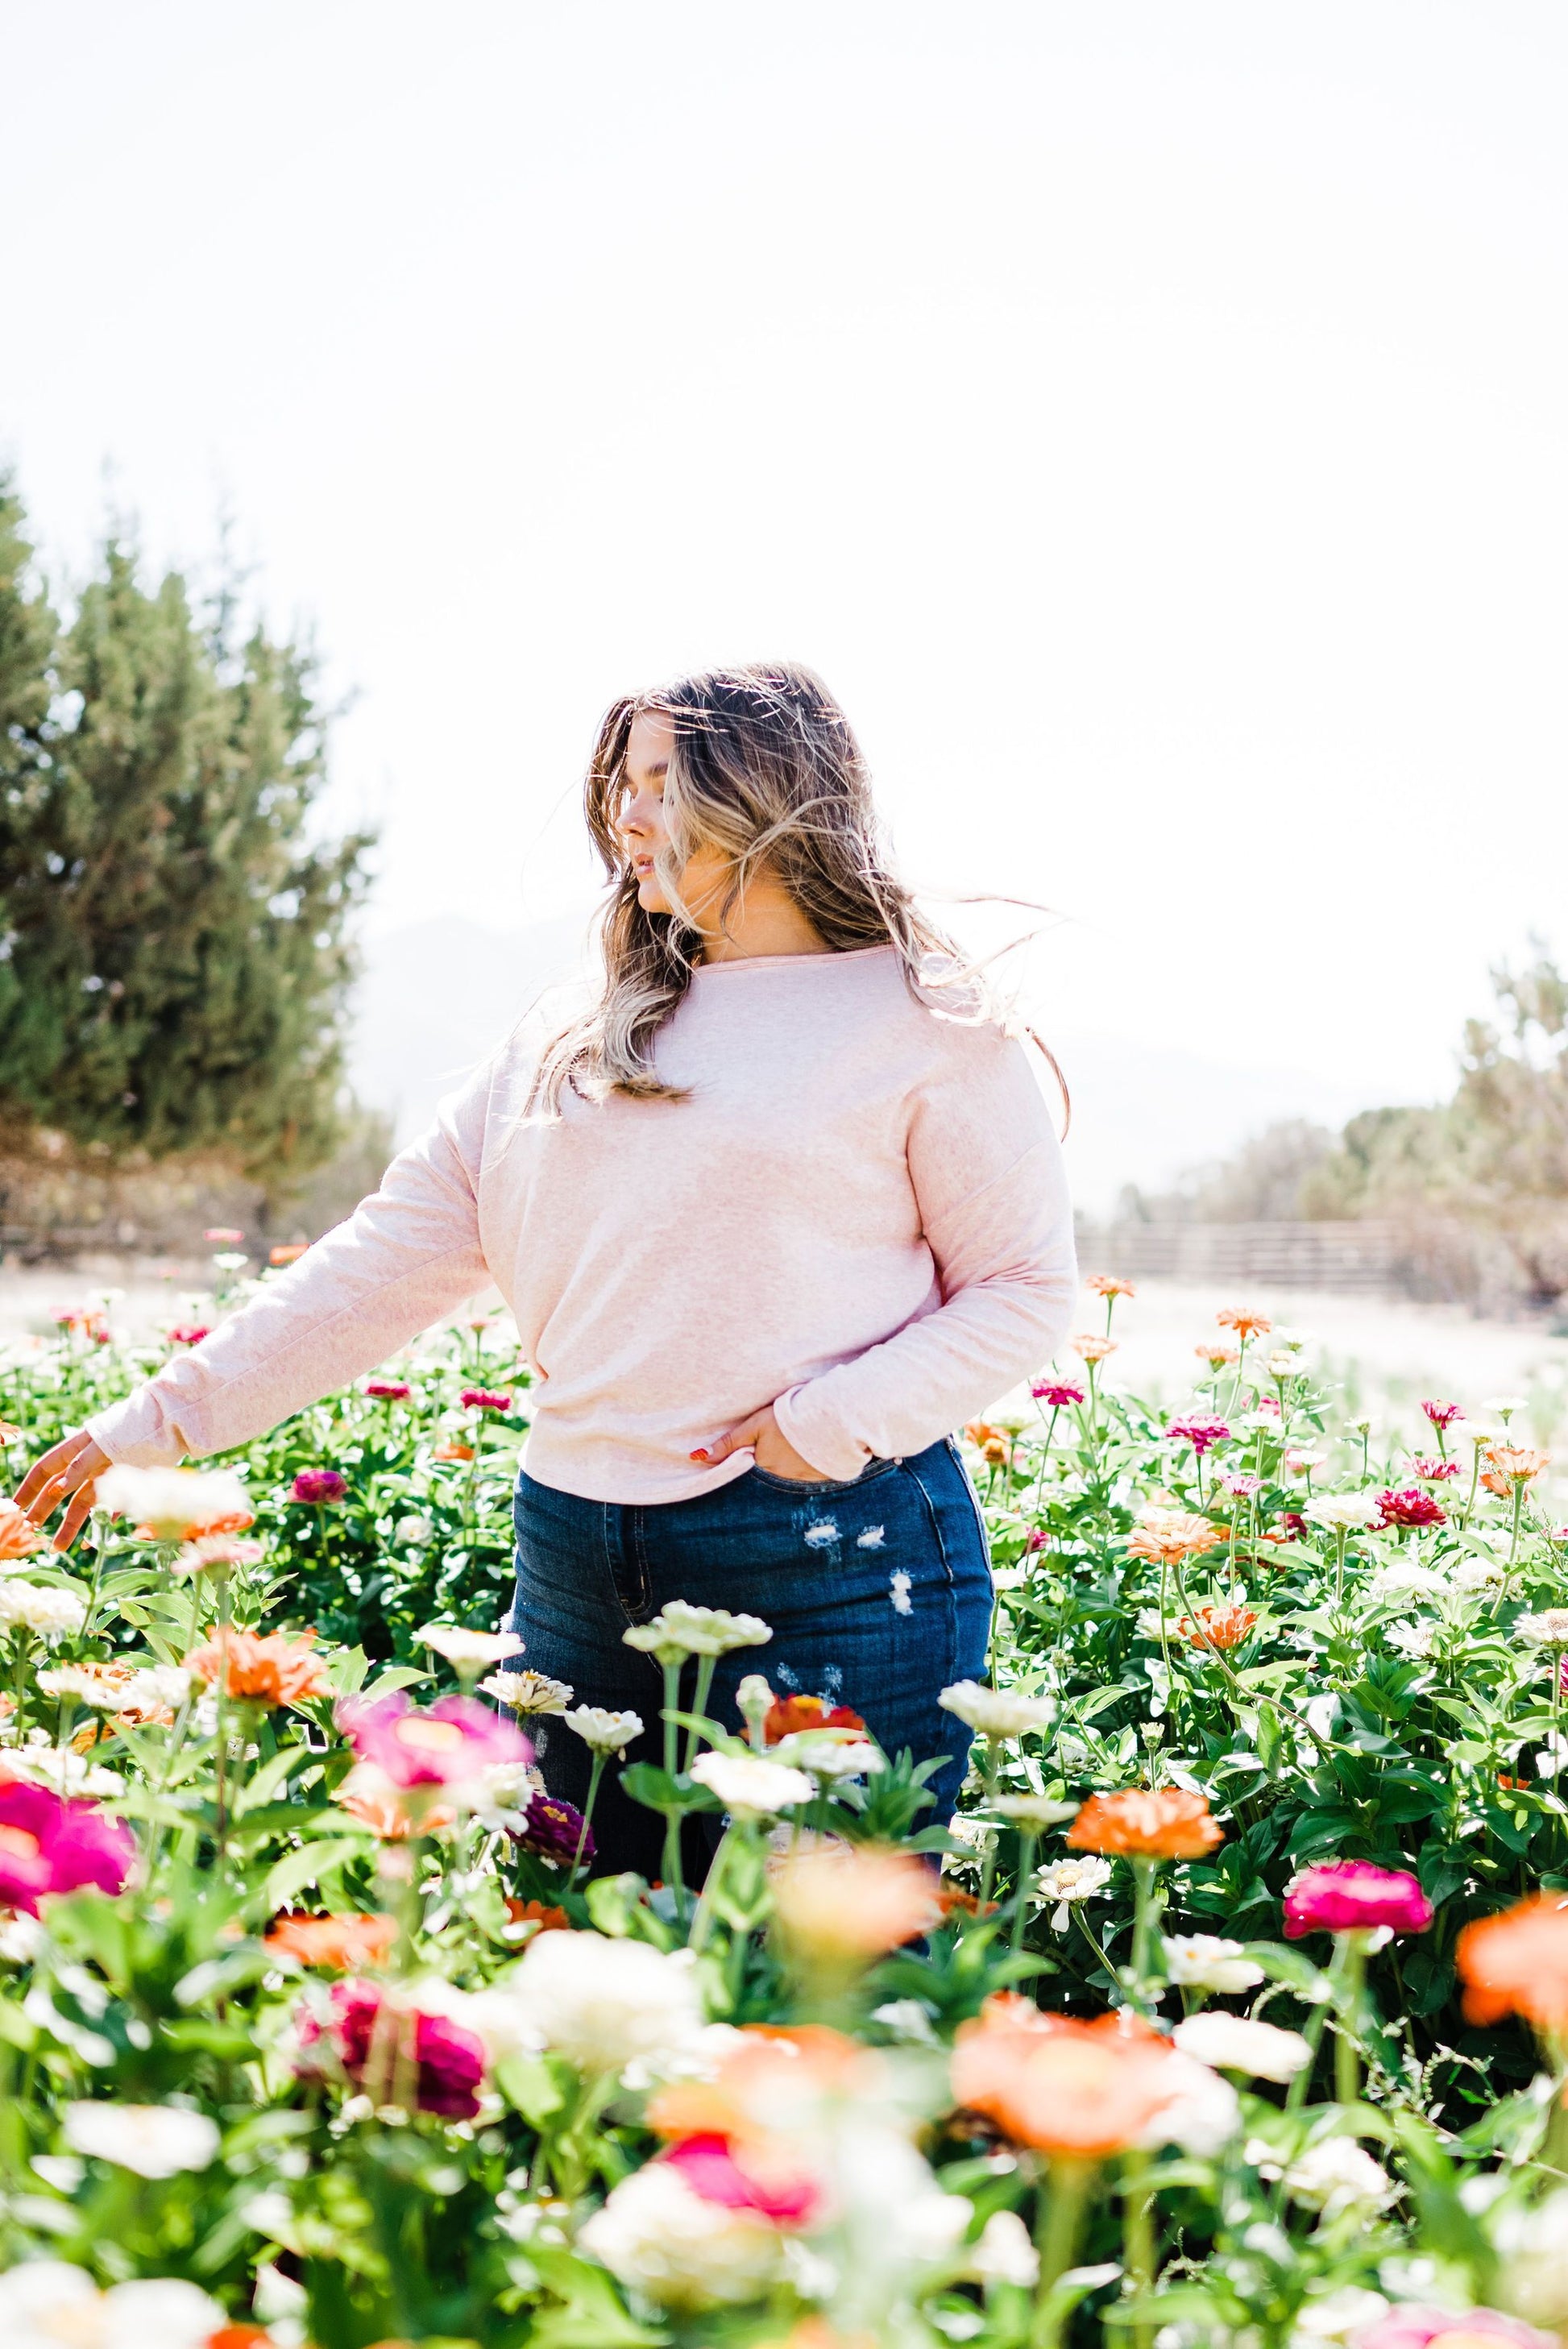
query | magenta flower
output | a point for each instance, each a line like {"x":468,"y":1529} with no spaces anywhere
{"x":449,"y":2061}
{"x":481,"y":1399}
{"x":1203,"y":1434}
{"x":1410,"y":1507}
{"x":316,"y":1485}
{"x":711,"y":2171}
{"x":1056,"y":1393}
{"x":453,"y":1739}
{"x":388,"y":1390}
{"x":1038,"y":1539}
{"x":48,"y":1844}
{"x":188,"y":1333}
{"x":1442,"y":1415}
{"x":1428,"y":1471}
{"x":551,"y":1828}
{"x":1414,"y":2327}
{"x":1351,"y":1896}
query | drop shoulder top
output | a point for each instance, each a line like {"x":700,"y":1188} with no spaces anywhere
{"x":858,"y":1212}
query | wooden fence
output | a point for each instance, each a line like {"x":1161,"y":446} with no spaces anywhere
{"x":1382,"y":1259}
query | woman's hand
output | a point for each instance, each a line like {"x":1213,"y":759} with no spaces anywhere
{"x":69,"y":1470}
{"x":762,"y":1434}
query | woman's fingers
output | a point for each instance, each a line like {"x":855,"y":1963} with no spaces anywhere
{"x":739,"y":1439}
{"x":71,"y":1466}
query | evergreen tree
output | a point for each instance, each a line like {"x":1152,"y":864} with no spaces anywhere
{"x":176,"y":954}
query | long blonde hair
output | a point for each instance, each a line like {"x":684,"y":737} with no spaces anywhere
{"x":765,"y":768}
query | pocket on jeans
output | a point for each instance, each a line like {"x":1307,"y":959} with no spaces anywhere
{"x":820,"y":1487}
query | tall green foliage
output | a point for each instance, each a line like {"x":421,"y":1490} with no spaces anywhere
{"x":173,"y":953}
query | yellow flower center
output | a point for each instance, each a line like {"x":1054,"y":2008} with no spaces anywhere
{"x":430,"y":1736}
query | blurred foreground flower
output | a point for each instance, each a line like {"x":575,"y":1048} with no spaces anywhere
{"x":49,"y":2304}
{"x":50,"y":1845}
{"x":1235,"y":2042}
{"x":606,"y":2004}
{"x":1415,"y":2327}
{"x":395,"y":2049}
{"x":176,"y":1504}
{"x":839,"y":1908}
{"x":750,"y":1786}
{"x":345,"y":1943}
{"x":681,"y":2250}
{"x":450,"y":1744}
{"x":1517,"y":1963}
{"x":19,"y":1536}
{"x":153,"y":2140}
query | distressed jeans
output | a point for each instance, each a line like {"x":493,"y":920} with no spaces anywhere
{"x":879,"y":1593}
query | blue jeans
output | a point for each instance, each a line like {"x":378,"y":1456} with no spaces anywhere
{"x":878,"y":1591}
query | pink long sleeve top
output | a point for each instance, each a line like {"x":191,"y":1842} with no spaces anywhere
{"x":858,"y":1213}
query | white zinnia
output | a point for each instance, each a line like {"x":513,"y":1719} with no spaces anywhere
{"x":67,"y":1772}
{"x":1067,"y":1880}
{"x":604,"y":1732}
{"x":1033,"y":1812}
{"x":50,"y":2304}
{"x":1412,"y":1640}
{"x":829,"y":1754}
{"x":1336,"y":2175}
{"x":173,"y":1503}
{"x":469,"y":1651}
{"x":747,"y":1784}
{"x":154,"y":2140}
{"x":1235,"y":2042}
{"x":1205,"y":1962}
{"x":657,"y":2236}
{"x":1004,"y":2254}
{"x":604,"y":2004}
{"x":682,"y":1628}
{"x":1548,"y":1630}
{"x":527,"y":1692}
{"x":1404,"y":1579}
{"x":996,"y":1713}
{"x":1343,"y":1512}
{"x":86,"y":1684}
{"x":41,"y":1607}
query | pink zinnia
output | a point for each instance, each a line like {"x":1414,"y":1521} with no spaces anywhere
{"x":1039,"y":1538}
{"x":1442,"y":1415}
{"x":48,"y":1844}
{"x":223,"y":1235}
{"x":449,"y":2061}
{"x":1349,"y":1896}
{"x":712,"y":2171}
{"x":188,"y":1333}
{"x":1203,"y":1434}
{"x":1410,"y":1507}
{"x":1414,"y":2327}
{"x":1056,"y":1394}
{"x":1242,"y":1485}
{"x":452,"y":1740}
{"x":1432,"y":1472}
{"x":316,"y":1485}
{"x":388,"y":1390}
{"x":483,"y":1399}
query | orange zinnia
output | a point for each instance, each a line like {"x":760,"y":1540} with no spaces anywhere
{"x":348,"y":1943}
{"x":1080,"y":2089}
{"x":1107,"y":1283}
{"x":1512,"y":1464}
{"x":1218,"y":1626}
{"x":1244,"y":1321}
{"x":1138,"y":1825}
{"x":274,"y":1671}
{"x":453,"y":1452}
{"x":537,"y":1912}
{"x":1217,"y":1355}
{"x":843,"y":1906}
{"x":1091,"y":1349}
{"x":1166,"y":1537}
{"x":788,"y":1714}
{"x":1517,"y":1963}
{"x":767,"y":2071}
{"x":372,"y":1798}
{"x":992,"y":1443}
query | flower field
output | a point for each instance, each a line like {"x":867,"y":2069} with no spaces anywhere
{"x":1237,"y":2012}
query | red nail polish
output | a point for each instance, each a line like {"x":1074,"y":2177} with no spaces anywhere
{"x":701,"y":1452}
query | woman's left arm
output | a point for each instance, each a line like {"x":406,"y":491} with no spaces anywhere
{"x":987,"y":1173}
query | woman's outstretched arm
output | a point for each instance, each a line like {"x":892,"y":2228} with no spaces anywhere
{"x":407,"y":1255}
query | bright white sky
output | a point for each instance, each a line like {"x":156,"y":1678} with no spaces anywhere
{"x":1151,"y":419}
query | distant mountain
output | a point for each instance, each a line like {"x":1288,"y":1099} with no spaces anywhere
{"x":437,"y":995}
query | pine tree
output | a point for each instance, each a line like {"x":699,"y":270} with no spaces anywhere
{"x":176,"y":958}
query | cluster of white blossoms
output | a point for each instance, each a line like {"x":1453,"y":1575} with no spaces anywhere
{"x":1403,"y":1578}
{"x":606,"y":2004}
{"x":1343,"y":1512}
{"x":175,"y":1503}
{"x":49,"y":2304}
{"x":152,"y":2140}
{"x":41,"y":1607}
{"x":681,"y":1629}
{"x":997,"y":1713}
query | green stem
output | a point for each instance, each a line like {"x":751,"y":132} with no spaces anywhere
{"x":704,"y":1671}
{"x":672,"y":1859}
{"x":1028,"y":1843}
{"x":1138,"y":2239}
{"x":1145,"y":1921}
{"x":1347,"y":2053}
{"x":988,"y":1865}
{"x":1058,"y":2211}
{"x":595,"y":1772}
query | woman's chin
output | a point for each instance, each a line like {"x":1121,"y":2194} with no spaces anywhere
{"x":651,"y":897}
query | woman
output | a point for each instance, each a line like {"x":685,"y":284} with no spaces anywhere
{"x":782,"y":1207}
